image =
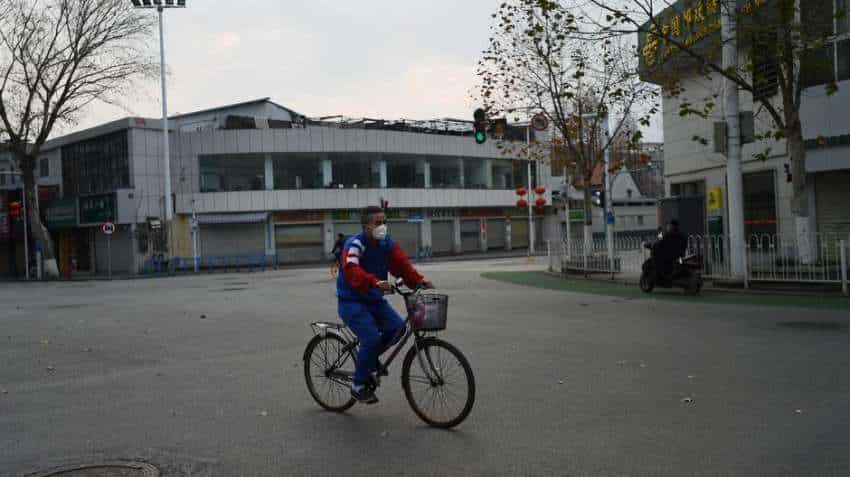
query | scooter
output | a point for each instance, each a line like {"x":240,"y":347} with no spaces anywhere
{"x":686,"y":272}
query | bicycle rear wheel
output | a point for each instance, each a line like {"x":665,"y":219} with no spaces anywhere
{"x":328,"y":368}
{"x":443,"y":395}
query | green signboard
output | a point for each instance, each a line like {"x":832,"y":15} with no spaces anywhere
{"x":97,"y":209}
{"x":62,"y":213}
{"x":576,"y":215}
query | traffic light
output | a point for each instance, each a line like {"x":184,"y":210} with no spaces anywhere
{"x":480,"y":125}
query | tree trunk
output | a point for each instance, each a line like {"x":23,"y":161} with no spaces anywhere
{"x":38,"y":229}
{"x":588,"y":222}
{"x":806,"y":247}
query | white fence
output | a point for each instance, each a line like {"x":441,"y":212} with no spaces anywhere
{"x":769,"y":258}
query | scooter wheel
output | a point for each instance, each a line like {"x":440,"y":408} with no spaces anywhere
{"x":694,"y":285}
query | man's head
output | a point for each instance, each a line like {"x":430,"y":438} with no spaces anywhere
{"x":374,"y":222}
{"x":673,"y":226}
{"x":340,"y":236}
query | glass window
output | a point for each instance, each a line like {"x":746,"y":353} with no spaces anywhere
{"x":405,"y":171}
{"x":817,"y":18}
{"x":96,"y":165}
{"x":2,"y":177}
{"x":226,"y":173}
{"x":44,"y":166}
{"x":817,"y":67}
{"x":759,"y":203}
{"x":474,"y":173}
{"x":297,"y":171}
{"x":520,"y":169}
{"x":446,"y":172}
{"x":844,"y":60}
{"x":356,"y":170}
{"x":503,"y":174}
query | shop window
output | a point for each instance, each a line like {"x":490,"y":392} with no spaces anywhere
{"x":230,"y":173}
{"x":405,"y":171}
{"x":297,"y":171}
{"x":759,"y":204}
{"x":818,"y":67}
{"x":688,"y":189}
{"x":446,"y":172}
{"x":503,"y":174}
{"x":44,"y":167}
{"x":356,"y":170}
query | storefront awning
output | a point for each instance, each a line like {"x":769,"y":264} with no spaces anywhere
{"x":243,"y":218}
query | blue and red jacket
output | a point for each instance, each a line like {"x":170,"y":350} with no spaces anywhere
{"x":365,"y":263}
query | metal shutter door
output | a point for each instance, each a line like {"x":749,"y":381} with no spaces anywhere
{"x":519,"y":233}
{"x":442,"y":236}
{"x":470,"y":236}
{"x":232,"y":240}
{"x":120,"y":250}
{"x":495,"y":233}
{"x":406,"y":235}
{"x":299,"y":243}
{"x":833,"y":214}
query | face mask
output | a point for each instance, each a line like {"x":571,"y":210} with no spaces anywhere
{"x":380,"y":232}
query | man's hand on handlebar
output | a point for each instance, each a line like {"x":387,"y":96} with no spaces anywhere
{"x":385,"y":285}
{"x":427,"y":284}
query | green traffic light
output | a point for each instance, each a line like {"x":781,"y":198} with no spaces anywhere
{"x":480,"y":137}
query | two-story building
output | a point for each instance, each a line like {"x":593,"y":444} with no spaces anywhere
{"x":263,"y":180}
{"x":693,"y":168}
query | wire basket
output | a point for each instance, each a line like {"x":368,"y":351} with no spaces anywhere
{"x":428,"y":312}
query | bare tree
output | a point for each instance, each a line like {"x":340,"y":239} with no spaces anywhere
{"x":785,"y":38}
{"x":56,"y":58}
{"x":538,"y":60}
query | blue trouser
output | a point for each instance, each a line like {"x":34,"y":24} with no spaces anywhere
{"x":376,"y":326}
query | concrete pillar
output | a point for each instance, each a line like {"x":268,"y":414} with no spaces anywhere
{"x":327,"y":171}
{"x":269,"y":173}
{"x":427,"y":173}
{"x":328,"y":229}
{"x":425,"y":237}
{"x":457,"y":246}
{"x":134,"y":251}
{"x":460,"y":172}
{"x":482,"y":241}
{"x":270,"y":239}
{"x":382,"y":171}
{"x":488,"y":173}
{"x":508,"y":244}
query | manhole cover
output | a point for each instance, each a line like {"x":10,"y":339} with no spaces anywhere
{"x":112,"y":469}
{"x":814,"y":325}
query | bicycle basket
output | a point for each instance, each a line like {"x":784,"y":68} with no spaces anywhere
{"x":428,"y":311}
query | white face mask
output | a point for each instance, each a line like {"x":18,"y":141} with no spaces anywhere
{"x":380,"y":232}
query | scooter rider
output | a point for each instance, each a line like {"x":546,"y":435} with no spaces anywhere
{"x":672,"y":246}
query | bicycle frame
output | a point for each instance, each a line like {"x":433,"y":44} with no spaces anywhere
{"x":382,"y":370}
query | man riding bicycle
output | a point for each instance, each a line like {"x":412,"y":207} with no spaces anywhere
{"x":366,"y":260}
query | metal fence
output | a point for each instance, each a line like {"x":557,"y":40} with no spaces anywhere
{"x":769,"y":258}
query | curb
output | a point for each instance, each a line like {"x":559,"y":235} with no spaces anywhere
{"x":707,"y":287}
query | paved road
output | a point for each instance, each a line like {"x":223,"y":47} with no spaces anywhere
{"x":137,"y":373}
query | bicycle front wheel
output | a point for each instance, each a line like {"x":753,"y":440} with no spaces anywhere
{"x":328,"y":368}
{"x":438,"y":383}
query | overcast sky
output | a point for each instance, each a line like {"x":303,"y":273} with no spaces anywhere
{"x":370,"y":58}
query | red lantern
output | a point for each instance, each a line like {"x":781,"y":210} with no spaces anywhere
{"x":15,"y":210}
{"x":521,"y":203}
{"x":521,"y":191}
{"x":540,"y":202}
{"x":540,"y":190}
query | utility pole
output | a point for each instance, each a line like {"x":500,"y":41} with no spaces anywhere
{"x":530,"y":212}
{"x":609,"y":197}
{"x":734,"y":179}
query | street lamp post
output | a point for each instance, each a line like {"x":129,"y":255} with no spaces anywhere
{"x":160,"y":5}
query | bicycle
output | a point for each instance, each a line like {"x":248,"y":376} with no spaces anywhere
{"x":330,"y":360}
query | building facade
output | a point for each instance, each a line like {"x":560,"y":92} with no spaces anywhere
{"x":693,"y":168}
{"x":262,"y":181}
